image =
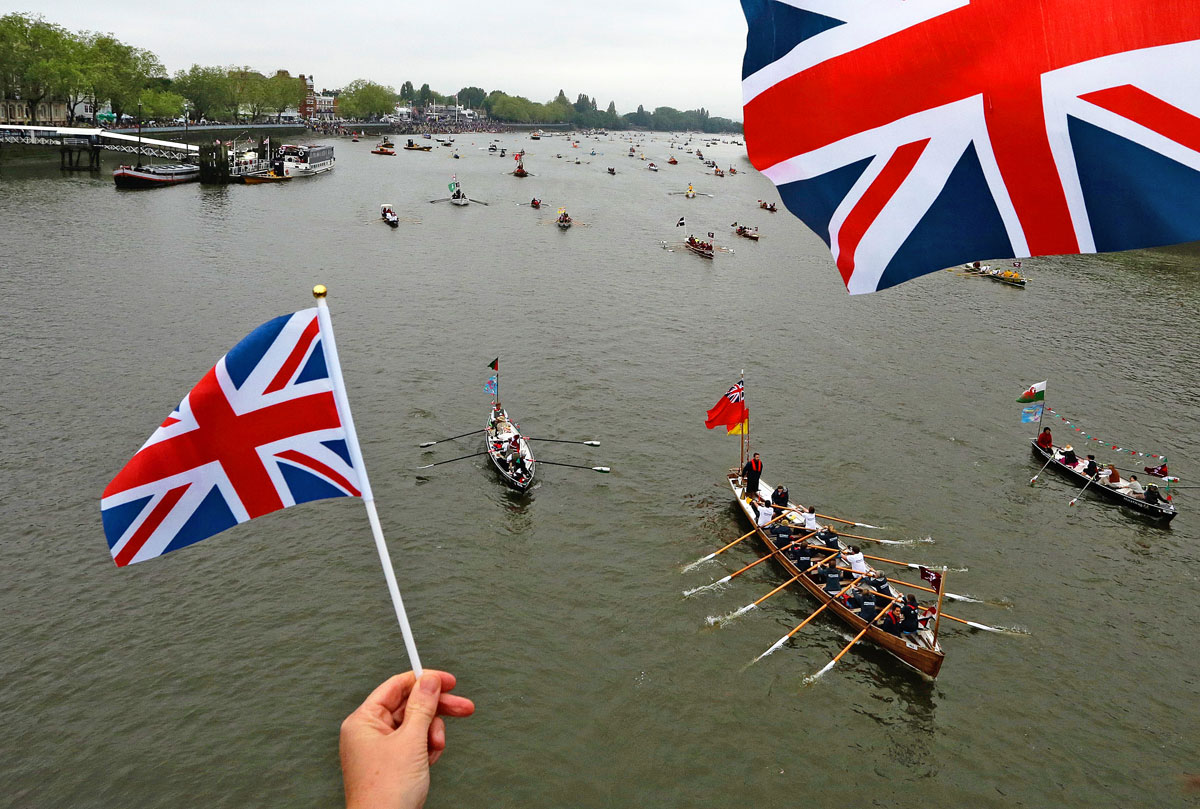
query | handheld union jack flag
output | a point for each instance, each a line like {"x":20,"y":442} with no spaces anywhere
{"x":260,"y":432}
{"x":913,"y":136}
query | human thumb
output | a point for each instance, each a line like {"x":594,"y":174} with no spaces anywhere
{"x":422,"y":706}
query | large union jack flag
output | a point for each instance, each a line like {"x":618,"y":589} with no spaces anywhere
{"x":260,"y":432}
{"x":913,"y":135}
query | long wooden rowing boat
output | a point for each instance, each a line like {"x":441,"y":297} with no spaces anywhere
{"x":921,"y":651}
{"x":699,"y":249}
{"x":1163,"y":512}
{"x":498,"y":438}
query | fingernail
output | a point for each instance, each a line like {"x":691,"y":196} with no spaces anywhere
{"x":431,"y":683}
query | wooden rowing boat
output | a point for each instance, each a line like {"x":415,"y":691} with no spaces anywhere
{"x":922,"y":652}
{"x":699,"y":248}
{"x":1163,"y":512}
{"x":747,"y":233}
{"x":498,"y":438}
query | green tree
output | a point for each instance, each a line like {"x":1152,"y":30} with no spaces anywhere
{"x":160,"y":104}
{"x":247,"y":89}
{"x":471,"y":97}
{"x":406,"y":91}
{"x":207,"y":89}
{"x":35,"y":54}
{"x":283,"y":91}
{"x":424,"y":95}
{"x":366,"y":99}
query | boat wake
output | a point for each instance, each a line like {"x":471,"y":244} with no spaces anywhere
{"x":812,"y":678}
{"x":688,"y":568}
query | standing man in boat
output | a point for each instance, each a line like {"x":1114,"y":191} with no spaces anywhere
{"x":751,"y":473}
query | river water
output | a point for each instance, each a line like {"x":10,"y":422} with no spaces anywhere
{"x":217,"y":676}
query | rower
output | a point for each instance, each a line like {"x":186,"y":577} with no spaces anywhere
{"x":1152,"y":496}
{"x":810,"y":519}
{"x":892,"y":621}
{"x":779,"y":499}
{"x":1134,"y":488}
{"x":909,"y":614}
{"x":855,"y":561}
{"x":833,"y":579}
{"x":1091,"y":468}
{"x":869,"y":608}
{"x":800,"y":554}
{"x":879,"y":583}
{"x":1045,"y":440}
{"x":751,"y":473}
{"x":764,"y":513}
{"x":852,"y":600}
{"x":829,"y":538}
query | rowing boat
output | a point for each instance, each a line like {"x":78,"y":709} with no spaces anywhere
{"x":498,"y":437}
{"x":920,"y":650}
{"x":746,"y":232}
{"x":1164,"y":511}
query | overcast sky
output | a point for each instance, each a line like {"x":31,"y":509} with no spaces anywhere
{"x":677,"y":53}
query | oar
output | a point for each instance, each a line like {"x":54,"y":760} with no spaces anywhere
{"x":1033,"y":479}
{"x":604,"y":469}
{"x":984,"y":627}
{"x":452,"y":460}
{"x":748,"y":607}
{"x":835,"y":519}
{"x":885,"y":541}
{"x":758,"y":561}
{"x":857,"y":638}
{"x":564,"y":441}
{"x":910,"y":565}
{"x":451,"y":438}
{"x":805,"y":623}
{"x":714,"y":554}
{"x":852,"y":522}
{"x":1076,"y":497}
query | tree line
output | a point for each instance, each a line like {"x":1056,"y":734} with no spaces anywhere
{"x":44,"y":62}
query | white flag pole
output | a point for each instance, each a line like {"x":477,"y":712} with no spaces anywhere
{"x":343,"y":406}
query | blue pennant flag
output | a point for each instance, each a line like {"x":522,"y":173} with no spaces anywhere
{"x":490,"y":386}
{"x":1032,"y":413}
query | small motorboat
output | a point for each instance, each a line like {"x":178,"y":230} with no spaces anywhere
{"x":387,"y":143}
{"x":261,"y":177}
{"x":387,"y":214}
{"x":767,"y":207}
{"x":492,"y":148}
{"x":412,"y":147}
{"x":652,"y":167}
{"x":671,"y":161}
{"x":748,"y":233}
{"x":155,"y":176}
{"x":381,"y":149}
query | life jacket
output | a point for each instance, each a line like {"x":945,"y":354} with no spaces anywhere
{"x":755,"y":466}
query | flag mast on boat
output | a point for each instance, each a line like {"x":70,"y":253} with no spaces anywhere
{"x":745,"y":433}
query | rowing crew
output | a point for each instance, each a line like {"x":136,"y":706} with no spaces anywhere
{"x":1108,"y":476}
{"x":506,"y":441}
{"x":692,"y":241}
{"x":904,"y":616}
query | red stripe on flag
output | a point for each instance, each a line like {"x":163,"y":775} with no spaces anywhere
{"x":301,"y":459}
{"x":898,"y":167}
{"x":293,"y":361}
{"x":139,"y":538}
{"x":1151,"y":112}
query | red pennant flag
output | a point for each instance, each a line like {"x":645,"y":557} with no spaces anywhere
{"x":933,"y":577}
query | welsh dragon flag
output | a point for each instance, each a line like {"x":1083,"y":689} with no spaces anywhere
{"x":1035,"y":393}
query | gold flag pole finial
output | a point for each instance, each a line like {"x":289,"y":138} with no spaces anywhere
{"x":319,"y":291}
